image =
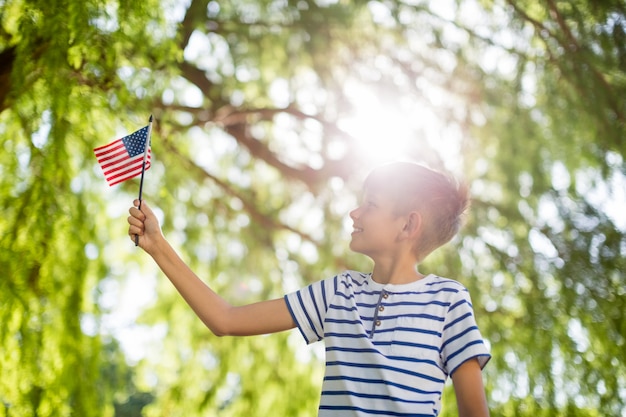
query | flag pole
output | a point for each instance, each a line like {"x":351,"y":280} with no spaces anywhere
{"x":143,"y":169}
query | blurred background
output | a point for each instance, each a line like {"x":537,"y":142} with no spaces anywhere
{"x":268,"y":115}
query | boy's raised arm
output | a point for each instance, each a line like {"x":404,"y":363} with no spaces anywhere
{"x":216,"y":313}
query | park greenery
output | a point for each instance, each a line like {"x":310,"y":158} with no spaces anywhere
{"x":268,"y":115}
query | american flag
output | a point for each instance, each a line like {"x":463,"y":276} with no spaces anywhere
{"x":122,"y":159}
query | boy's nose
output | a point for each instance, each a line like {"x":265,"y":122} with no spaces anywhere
{"x":354,"y":213}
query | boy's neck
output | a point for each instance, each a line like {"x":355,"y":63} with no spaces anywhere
{"x":395,"y":274}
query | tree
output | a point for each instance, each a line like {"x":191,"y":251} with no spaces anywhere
{"x":561,"y":244}
{"x":58,"y":63}
{"x":255,"y":169}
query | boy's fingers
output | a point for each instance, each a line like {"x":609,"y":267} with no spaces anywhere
{"x":136,"y":214}
{"x":145,"y":208}
{"x":134,"y":221}
{"x":134,"y":231}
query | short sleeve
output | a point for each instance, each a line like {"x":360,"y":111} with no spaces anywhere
{"x":461,"y":337}
{"x":308,"y":308}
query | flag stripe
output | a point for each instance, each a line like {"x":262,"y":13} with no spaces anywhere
{"x":115,"y":154}
{"x":124,"y":163}
{"x":107,"y":148}
{"x":125,"y":176}
{"x":123,"y":171}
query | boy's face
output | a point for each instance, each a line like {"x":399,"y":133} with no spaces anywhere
{"x":376,"y":225}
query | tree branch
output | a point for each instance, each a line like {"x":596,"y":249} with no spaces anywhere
{"x":196,"y":12}
{"x":7,"y":58}
{"x":251,"y":207}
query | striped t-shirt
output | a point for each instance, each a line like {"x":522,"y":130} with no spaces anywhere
{"x":389,"y":348}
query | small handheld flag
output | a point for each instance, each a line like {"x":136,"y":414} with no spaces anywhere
{"x":146,"y":156}
{"x":127,"y":157}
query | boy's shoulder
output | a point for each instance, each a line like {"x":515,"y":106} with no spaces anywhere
{"x":447,"y":288}
{"x":351,"y":277}
{"x":430,"y":279}
{"x":437,"y":280}
{"x":355,"y":275}
{"x":436,"y":283}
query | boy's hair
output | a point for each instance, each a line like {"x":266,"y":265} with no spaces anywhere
{"x":440,"y":199}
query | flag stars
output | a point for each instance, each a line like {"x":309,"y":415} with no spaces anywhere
{"x":136,"y":142}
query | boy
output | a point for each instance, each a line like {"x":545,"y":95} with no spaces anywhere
{"x":393,"y":335}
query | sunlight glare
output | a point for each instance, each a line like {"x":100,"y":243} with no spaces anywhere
{"x":386,"y":130}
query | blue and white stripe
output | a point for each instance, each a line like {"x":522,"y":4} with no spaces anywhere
{"x":389,"y":348}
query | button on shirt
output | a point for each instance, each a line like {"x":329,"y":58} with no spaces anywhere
{"x":389,"y":348}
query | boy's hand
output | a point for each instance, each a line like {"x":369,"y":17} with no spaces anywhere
{"x":144,"y":224}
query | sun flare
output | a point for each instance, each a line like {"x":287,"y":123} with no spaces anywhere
{"x":399,"y":128}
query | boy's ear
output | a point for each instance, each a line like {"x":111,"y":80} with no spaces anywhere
{"x":413,"y":225}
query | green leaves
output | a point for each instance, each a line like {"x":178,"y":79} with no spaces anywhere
{"x":254,"y":173}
